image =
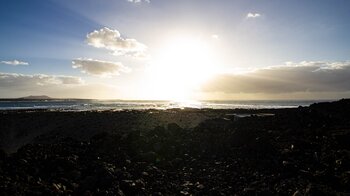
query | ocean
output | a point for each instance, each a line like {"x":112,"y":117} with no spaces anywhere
{"x":87,"y":105}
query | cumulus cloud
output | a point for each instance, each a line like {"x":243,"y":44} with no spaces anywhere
{"x":288,"y":78}
{"x":139,"y":1}
{"x":253,"y":15}
{"x":111,"y":40}
{"x":98,"y":67}
{"x":14,"y":62}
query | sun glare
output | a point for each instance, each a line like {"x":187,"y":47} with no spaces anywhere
{"x":179,"y":69}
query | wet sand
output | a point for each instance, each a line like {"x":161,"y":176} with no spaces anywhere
{"x":298,"y":151}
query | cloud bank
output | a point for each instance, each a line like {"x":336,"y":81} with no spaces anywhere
{"x":19,"y":85}
{"x":98,"y":67}
{"x":21,"y":81}
{"x":111,"y":40}
{"x":14,"y":62}
{"x":253,"y":15}
{"x":289,"y":78}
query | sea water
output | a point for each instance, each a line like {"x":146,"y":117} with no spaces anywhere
{"x":86,"y":105}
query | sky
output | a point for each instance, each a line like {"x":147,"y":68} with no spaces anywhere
{"x":175,"y":50}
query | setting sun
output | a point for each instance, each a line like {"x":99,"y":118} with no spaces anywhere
{"x":179,"y":69}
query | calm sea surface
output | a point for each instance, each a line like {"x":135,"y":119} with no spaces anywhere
{"x":84,"y":105}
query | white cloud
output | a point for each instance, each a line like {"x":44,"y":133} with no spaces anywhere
{"x":111,"y":40}
{"x":253,"y":15}
{"x":139,"y":1}
{"x":15,"y":62}
{"x":98,"y":67}
{"x":289,"y":78}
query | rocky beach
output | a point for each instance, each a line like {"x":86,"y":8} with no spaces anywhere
{"x":296,"y":151}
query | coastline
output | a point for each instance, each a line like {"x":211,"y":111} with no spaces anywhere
{"x":117,"y":105}
{"x":302,"y":150}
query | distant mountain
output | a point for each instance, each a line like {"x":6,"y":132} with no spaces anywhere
{"x":36,"y":97}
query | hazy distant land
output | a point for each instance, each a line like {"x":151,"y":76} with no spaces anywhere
{"x":36,"y":97}
{"x":39,"y":98}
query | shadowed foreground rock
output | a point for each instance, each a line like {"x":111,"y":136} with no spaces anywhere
{"x":302,"y":151}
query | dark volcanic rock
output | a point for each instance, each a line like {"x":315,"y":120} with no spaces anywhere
{"x":302,"y":151}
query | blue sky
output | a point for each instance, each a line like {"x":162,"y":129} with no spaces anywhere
{"x":50,"y":34}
